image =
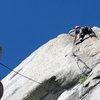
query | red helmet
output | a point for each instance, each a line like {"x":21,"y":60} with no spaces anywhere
{"x":76,"y":27}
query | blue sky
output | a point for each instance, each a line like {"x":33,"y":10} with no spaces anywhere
{"x":25,"y":25}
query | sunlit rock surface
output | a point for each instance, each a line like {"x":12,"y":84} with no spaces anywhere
{"x":53,"y":71}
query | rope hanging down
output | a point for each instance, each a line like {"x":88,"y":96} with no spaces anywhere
{"x":19,"y":73}
{"x":76,"y":59}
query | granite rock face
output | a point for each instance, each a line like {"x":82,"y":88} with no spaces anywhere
{"x":53,"y":71}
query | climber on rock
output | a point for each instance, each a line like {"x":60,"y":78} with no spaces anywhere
{"x":80,"y":33}
{"x":77,"y":31}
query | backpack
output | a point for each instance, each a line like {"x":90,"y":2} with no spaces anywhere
{"x":86,"y":30}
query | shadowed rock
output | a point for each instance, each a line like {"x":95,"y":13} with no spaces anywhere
{"x":1,"y":90}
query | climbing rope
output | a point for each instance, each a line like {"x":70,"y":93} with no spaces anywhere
{"x":76,"y":59}
{"x":19,"y":73}
{"x":35,"y":80}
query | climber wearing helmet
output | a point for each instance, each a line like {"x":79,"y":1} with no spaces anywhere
{"x":81,"y":32}
{"x":77,"y":31}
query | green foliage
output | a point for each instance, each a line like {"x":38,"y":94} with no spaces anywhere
{"x":82,"y":79}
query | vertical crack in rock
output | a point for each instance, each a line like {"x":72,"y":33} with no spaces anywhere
{"x":82,"y":65}
{"x":87,"y":90}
